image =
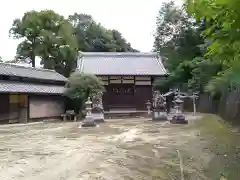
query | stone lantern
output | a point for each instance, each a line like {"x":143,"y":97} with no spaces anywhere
{"x":178,"y":105}
{"x":178,"y":117}
{"x":148,"y":104}
{"x":89,"y":120}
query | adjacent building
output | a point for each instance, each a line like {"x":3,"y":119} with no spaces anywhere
{"x":29,"y":93}
{"x":128,"y":77}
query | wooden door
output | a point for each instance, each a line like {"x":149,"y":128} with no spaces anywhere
{"x":142,"y":95}
{"x":127,"y":95}
{"x":121,"y":95}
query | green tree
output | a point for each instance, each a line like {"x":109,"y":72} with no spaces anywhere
{"x":58,"y":49}
{"x":57,"y":41}
{"x":80,"y":86}
{"x":93,"y":37}
{"x":81,"y":24}
{"x":48,"y":35}
{"x":178,"y":40}
{"x":180,"y":43}
{"x":203,"y":70}
{"x":222,"y":32}
{"x":121,"y":44}
{"x":27,"y":28}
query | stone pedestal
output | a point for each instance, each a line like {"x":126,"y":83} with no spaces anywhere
{"x":98,"y":114}
{"x":98,"y":117}
{"x":88,"y":122}
{"x":159,"y":116}
{"x":179,"y":119}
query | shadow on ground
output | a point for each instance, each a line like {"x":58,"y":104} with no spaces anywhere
{"x":118,"y":149}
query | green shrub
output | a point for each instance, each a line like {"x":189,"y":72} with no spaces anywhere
{"x":80,"y":86}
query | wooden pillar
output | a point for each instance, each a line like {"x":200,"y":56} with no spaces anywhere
{"x":105,"y":99}
{"x":23,"y":103}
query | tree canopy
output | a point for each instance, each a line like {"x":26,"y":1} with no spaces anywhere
{"x":200,"y":45}
{"x":178,"y":41}
{"x":58,"y":40}
{"x":222,"y":20}
{"x":93,"y":37}
{"x":48,"y":35}
{"x":186,"y":51}
{"x":80,"y":86}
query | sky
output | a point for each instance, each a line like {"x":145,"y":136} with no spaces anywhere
{"x":135,"y":19}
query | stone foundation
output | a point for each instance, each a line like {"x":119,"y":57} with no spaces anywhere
{"x":88,"y":122}
{"x":159,"y":116}
{"x":98,"y":117}
{"x":179,"y":119}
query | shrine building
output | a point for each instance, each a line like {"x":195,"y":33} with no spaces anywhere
{"x":29,"y":94}
{"x":128,"y":77}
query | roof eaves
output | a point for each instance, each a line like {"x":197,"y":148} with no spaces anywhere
{"x":118,"y":54}
{"x":105,"y":74}
{"x":61,"y":77}
{"x":10,"y":87}
{"x":161,"y":65}
{"x":24,"y":67}
{"x":81,"y":64}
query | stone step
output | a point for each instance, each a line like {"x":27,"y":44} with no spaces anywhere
{"x":124,"y":114}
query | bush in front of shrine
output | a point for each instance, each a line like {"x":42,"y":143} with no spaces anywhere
{"x":79,"y":87}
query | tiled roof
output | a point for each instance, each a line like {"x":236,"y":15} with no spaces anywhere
{"x":29,"y":72}
{"x":18,"y":87}
{"x":126,"y":63}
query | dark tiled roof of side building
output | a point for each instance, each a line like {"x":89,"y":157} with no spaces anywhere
{"x":20,"y":87}
{"x":125,"y":63}
{"x":29,"y":72}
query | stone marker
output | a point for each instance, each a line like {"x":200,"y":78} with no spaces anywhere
{"x":148,"y":104}
{"x":88,"y":121}
{"x":97,"y":110}
{"x":159,"y":107}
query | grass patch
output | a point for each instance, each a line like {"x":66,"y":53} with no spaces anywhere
{"x":224,"y":144}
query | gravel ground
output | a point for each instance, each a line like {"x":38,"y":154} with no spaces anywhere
{"x":118,"y":149}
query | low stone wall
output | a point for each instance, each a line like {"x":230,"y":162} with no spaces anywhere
{"x":228,"y":106}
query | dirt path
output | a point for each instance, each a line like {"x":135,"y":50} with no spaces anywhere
{"x":118,"y":149}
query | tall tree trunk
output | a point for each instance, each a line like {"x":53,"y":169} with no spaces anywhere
{"x":33,"y":53}
{"x":33,"y":60}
